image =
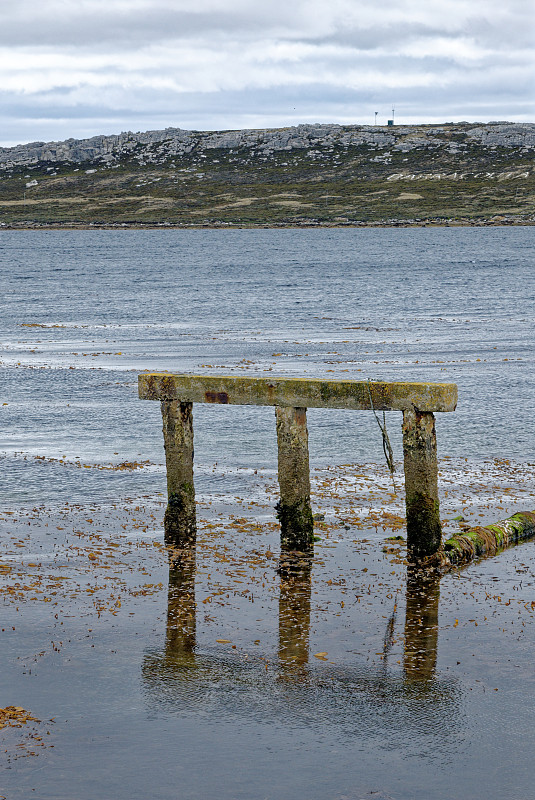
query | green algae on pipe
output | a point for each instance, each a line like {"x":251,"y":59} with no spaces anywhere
{"x":298,"y":392}
{"x":462,"y":548}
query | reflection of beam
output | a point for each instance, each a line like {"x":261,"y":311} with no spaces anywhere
{"x":294,"y":609}
{"x":421,"y":625}
{"x":181,"y":606}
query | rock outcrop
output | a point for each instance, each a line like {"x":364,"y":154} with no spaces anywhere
{"x":156,"y":147}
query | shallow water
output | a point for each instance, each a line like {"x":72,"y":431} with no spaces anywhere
{"x":85,"y":311}
{"x":224,"y":679}
{"x":340,"y":682}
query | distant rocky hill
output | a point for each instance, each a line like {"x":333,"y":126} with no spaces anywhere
{"x":306,"y":175}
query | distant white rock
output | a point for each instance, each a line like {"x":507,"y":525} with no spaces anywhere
{"x":157,"y":147}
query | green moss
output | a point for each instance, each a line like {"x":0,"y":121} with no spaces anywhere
{"x":463,"y":547}
{"x":179,"y":519}
{"x":297,"y":525}
{"x":500,"y":535}
{"x":424,"y":532}
{"x":453,"y":545}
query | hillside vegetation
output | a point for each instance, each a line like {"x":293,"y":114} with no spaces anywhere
{"x":467,"y":173}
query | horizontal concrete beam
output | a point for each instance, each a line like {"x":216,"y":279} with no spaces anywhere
{"x":298,"y":392}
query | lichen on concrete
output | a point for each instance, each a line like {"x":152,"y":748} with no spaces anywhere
{"x":293,"y":510}
{"x":299,"y":392}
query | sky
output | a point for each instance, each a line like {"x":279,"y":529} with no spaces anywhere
{"x":77,"y":68}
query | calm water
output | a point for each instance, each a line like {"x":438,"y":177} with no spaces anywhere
{"x":146,"y":702}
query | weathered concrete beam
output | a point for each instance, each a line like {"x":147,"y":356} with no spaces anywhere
{"x":180,"y":520}
{"x":293,"y":509}
{"x":298,"y":392}
{"x":462,"y":548}
{"x":424,"y":532}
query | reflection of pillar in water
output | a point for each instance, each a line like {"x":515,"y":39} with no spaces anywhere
{"x":421,"y":625}
{"x":294,"y":609}
{"x":181,"y":626}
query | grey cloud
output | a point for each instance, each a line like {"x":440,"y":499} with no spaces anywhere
{"x":93,"y":24}
{"x":92,"y":27}
{"x":385,"y":36}
{"x":309,"y":59}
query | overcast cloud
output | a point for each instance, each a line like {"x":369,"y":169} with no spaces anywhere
{"x":81,"y":67}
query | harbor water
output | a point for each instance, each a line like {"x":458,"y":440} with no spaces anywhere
{"x":225,"y":677}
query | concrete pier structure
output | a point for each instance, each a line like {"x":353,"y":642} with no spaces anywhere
{"x":424,"y":532}
{"x":291,"y":398}
{"x":293,"y":509}
{"x":180,"y":522}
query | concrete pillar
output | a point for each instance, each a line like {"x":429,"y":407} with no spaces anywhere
{"x":421,"y":486}
{"x":293,"y":509}
{"x":179,"y":522}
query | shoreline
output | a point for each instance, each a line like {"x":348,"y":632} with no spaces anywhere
{"x":463,"y":223}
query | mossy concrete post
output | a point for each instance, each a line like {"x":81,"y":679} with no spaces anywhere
{"x":293,"y":509}
{"x":180,"y":523}
{"x":421,"y":484}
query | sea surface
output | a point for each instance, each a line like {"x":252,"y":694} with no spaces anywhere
{"x":274,"y":688}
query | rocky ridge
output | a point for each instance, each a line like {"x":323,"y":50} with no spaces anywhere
{"x":453,"y":173}
{"x":157,"y":147}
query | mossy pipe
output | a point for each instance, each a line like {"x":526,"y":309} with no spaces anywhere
{"x":487,"y":540}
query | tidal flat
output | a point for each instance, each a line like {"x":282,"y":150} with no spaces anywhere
{"x":223,"y":674}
